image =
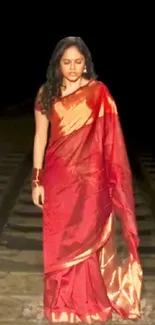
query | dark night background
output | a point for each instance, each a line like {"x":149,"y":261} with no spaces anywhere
{"x":122,"y":50}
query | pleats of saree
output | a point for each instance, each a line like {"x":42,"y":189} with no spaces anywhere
{"x":107,"y":281}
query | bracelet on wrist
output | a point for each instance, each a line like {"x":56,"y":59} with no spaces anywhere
{"x":37,"y":177}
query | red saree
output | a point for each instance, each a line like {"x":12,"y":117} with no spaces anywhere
{"x":87,"y":183}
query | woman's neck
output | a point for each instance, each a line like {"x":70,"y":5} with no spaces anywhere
{"x":71,"y":85}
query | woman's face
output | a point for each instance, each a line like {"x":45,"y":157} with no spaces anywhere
{"x":72,"y":64}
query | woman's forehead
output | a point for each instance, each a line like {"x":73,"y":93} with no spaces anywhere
{"x":72,"y":52}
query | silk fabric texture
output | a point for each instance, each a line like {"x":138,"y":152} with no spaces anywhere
{"x":88,"y":189}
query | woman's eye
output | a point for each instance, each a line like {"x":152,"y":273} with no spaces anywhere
{"x":66,"y":62}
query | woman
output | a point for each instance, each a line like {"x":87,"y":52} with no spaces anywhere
{"x":85,"y":182}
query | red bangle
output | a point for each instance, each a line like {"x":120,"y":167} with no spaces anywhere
{"x":37,"y":177}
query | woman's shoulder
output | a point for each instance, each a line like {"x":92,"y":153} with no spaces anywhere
{"x":100,"y":85}
{"x":103,"y":94}
{"x":100,"y":88}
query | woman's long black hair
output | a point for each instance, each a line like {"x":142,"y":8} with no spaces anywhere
{"x":51,"y":90}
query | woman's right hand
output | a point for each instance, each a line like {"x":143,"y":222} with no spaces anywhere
{"x":38,"y":196}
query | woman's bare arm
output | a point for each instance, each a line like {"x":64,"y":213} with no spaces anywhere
{"x":40,"y":139}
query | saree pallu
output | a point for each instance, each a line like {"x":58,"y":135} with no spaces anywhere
{"x":88,"y":191}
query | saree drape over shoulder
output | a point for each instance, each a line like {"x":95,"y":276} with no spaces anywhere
{"x":88,"y":191}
